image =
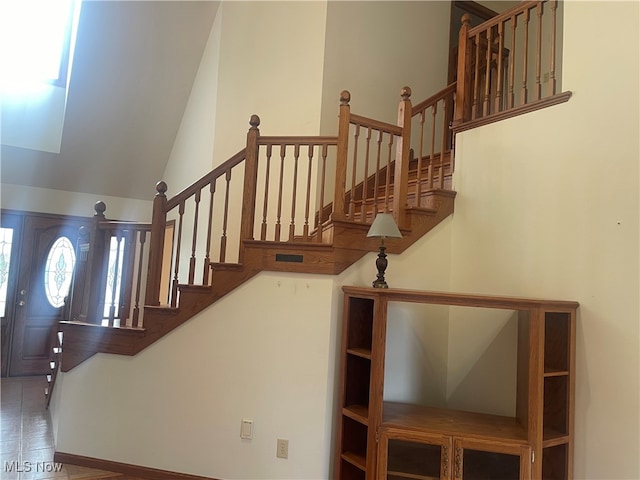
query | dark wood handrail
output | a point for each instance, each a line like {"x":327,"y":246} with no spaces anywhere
{"x":375,"y":124}
{"x":205,"y":180}
{"x":433,"y":99}
{"x":120,"y":225}
{"x":506,"y":15}
{"x":297,"y":140}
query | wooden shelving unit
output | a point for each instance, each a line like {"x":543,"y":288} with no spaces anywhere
{"x":380,"y":440}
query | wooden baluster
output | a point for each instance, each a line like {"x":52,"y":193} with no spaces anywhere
{"x":498,"y":99}
{"x":307,"y":206}
{"x":443,"y":145}
{"x":225,"y":218}
{"x":523,"y":94}
{"x":206,"y":270}
{"x":354,"y":166}
{"x":126,"y":285}
{"x":135,"y":321}
{"x":115,"y":278}
{"x":512,"y":61}
{"x":283,"y":154}
{"x":552,"y":72}
{"x":401,"y":174}
{"x":476,"y":79}
{"x":250,"y":185}
{"x":450,"y":105}
{"x":539,"y":53}
{"x":387,"y":180}
{"x":432,"y":152}
{"x":323,"y":178}
{"x":365,"y":180}
{"x":292,"y":225}
{"x":265,"y":205}
{"x":176,"y":265}
{"x":421,"y":121}
{"x":156,"y":245}
{"x":194,"y":240}
{"x":463,"y":85}
{"x":487,"y":78}
{"x":377,"y":175}
{"x":341,"y":157}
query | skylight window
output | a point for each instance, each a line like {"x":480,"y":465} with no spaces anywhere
{"x":35,"y":40}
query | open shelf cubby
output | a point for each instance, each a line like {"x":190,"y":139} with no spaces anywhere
{"x":555,"y":462}
{"x":556,"y":341}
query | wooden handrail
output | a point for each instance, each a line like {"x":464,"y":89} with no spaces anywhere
{"x":120,"y":225}
{"x":423,"y":105}
{"x":297,"y":140}
{"x":375,"y":124}
{"x":506,"y":15}
{"x":205,"y":180}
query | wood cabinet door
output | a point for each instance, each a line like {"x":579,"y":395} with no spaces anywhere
{"x":483,"y":460}
{"x":407,"y":455}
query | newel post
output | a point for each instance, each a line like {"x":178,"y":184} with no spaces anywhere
{"x":463,"y":82}
{"x":250,"y":183}
{"x":95,"y":274}
{"x":401,"y":171}
{"x":156,"y":245}
{"x":341,"y":159}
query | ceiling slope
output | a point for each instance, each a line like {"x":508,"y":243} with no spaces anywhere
{"x":134,"y":66}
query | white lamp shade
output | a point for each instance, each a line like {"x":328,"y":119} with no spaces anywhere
{"x":384,"y":226}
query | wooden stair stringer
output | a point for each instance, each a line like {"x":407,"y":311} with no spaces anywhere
{"x":159,"y":321}
{"x":83,"y":340}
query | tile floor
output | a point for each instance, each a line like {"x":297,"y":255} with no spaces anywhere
{"x":26,"y":437}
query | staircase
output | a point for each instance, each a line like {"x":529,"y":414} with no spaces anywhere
{"x":288,"y":203}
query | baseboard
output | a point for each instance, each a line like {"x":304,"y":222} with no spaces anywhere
{"x":124,"y":468}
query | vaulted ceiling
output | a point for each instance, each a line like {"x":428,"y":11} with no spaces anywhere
{"x":134,"y":65}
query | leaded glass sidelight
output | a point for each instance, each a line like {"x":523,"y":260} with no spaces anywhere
{"x":6,"y":239}
{"x":114,"y":279}
{"x":58,"y":271}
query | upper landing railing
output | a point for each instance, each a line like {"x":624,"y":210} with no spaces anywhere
{"x":508,"y":65}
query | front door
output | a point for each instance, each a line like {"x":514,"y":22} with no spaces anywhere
{"x":40,"y":280}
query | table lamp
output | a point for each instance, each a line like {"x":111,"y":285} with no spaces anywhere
{"x":383,"y":226}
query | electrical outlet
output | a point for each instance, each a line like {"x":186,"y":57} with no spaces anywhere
{"x":282,"y":448}
{"x":246,"y":429}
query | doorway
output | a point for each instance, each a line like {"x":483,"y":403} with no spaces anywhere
{"x":37,"y":258}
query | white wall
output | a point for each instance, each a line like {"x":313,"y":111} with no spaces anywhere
{"x":366,"y":54}
{"x":192,"y":153}
{"x":34,"y":199}
{"x":270,"y":65}
{"x":262,"y":352}
{"x":548,"y":206}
